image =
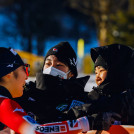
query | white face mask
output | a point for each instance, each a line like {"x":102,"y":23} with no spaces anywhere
{"x":55,"y":72}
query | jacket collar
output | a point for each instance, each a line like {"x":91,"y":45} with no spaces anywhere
{"x":5,"y":92}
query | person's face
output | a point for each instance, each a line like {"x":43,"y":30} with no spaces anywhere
{"x":52,"y":61}
{"x":101,"y":74}
{"x":18,"y":82}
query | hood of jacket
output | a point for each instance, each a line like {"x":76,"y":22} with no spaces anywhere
{"x":117,"y":57}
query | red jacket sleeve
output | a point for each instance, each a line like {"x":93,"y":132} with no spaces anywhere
{"x":12,"y":115}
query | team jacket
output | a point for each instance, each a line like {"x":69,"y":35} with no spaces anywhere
{"x":11,"y":113}
{"x":13,"y":116}
{"x":49,"y":98}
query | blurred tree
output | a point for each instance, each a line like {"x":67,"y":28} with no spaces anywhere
{"x":34,"y":19}
{"x":33,"y":22}
{"x":122,"y":26}
{"x":6,"y":2}
{"x":101,"y":11}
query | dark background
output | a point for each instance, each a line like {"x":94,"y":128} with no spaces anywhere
{"x":36,"y":25}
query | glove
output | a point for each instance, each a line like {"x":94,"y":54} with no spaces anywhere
{"x":110,"y":118}
{"x":84,"y":123}
{"x":103,"y":121}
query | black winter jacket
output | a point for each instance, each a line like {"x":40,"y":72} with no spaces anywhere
{"x":49,"y":97}
{"x":116,"y":93}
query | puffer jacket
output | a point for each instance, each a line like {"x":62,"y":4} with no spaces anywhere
{"x":115,"y":93}
{"x":49,"y":97}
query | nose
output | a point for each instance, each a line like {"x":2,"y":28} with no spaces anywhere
{"x":97,"y":76}
{"x":53,"y":64}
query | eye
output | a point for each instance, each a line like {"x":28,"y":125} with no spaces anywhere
{"x":59,"y":65}
{"x":47,"y":63}
{"x":101,"y":70}
{"x":95,"y":72}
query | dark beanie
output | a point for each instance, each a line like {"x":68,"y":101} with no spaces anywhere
{"x":9,"y":61}
{"x":65,"y":53}
{"x":100,"y":62}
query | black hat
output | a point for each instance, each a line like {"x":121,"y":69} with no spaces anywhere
{"x":9,"y":61}
{"x":100,"y":62}
{"x":65,"y":53}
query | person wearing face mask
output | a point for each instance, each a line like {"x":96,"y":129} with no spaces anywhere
{"x":56,"y":89}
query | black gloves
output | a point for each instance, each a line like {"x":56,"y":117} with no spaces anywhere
{"x":103,"y":121}
{"x":98,"y":121}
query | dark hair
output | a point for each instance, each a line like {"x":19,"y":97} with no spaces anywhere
{"x":1,"y":80}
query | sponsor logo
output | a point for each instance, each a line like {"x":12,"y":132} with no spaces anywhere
{"x":29,"y":119}
{"x":52,"y":129}
{"x":10,"y":65}
{"x":55,"y":49}
{"x":73,"y":125}
{"x":13,"y":51}
{"x":19,"y":110}
{"x":76,"y":103}
{"x":73,"y":62}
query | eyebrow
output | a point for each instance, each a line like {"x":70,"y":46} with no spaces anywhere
{"x":48,"y":60}
{"x":52,"y":60}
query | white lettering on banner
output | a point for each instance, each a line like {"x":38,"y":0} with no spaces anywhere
{"x":51,"y":129}
{"x":74,"y":125}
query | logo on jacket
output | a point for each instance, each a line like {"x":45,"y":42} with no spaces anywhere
{"x":76,"y":103}
{"x":19,"y":110}
{"x":73,"y":125}
{"x":29,"y":119}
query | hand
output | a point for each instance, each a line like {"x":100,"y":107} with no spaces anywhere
{"x":103,"y":121}
{"x":84,"y":123}
{"x":109,"y":118}
{"x":6,"y":131}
